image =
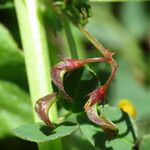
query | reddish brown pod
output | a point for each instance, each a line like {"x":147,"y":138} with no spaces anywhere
{"x":58,"y":71}
{"x":67,"y":65}
{"x":42,"y":108}
{"x":109,"y":127}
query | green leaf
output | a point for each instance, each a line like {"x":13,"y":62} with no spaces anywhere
{"x":40,"y":133}
{"x":76,"y":142}
{"x":12,"y":66}
{"x":78,"y":84}
{"x":15,"y":107}
{"x":6,"y":5}
{"x":127,"y":130}
{"x":145,"y":143}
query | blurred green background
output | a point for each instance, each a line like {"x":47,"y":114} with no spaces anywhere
{"x":123,"y":27}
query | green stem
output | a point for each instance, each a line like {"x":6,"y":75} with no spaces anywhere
{"x":36,"y":53}
{"x":82,"y":52}
{"x":70,"y":39}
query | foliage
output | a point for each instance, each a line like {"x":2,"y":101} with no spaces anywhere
{"x":127,"y":130}
{"x":15,"y":102}
{"x":41,"y":133}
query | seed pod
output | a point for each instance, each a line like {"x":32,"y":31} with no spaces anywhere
{"x":42,"y":108}
{"x":109,"y":127}
{"x":58,"y":71}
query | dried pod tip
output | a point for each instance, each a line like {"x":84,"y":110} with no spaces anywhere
{"x":42,"y":108}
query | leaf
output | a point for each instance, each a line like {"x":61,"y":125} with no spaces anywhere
{"x":145,"y":143}
{"x":40,"y":133}
{"x":76,"y":142}
{"x":78,"y":84}
{"x":12,"y":66}
{"x":127,"y":130}
{"x":7,"y":5}
{"x":15,"y":107}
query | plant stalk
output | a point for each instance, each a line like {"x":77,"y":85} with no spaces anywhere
{"x":36,"y":54}
{"x":70,"y":39}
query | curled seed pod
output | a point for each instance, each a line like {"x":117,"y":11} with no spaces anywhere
{"x":42,"y":107}
{"x":57,"y":77}
{"x":58,"y":71}
{"x":109,"y":127}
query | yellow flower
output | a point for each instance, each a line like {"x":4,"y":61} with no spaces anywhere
{"x":128,"y":107}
